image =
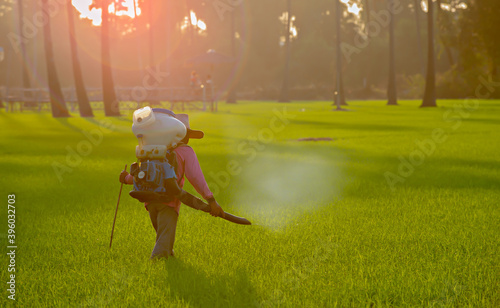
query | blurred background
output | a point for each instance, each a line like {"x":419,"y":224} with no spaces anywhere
{"x":168,"y":34}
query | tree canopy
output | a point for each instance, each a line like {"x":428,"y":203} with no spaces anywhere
{"x":466,"y":45}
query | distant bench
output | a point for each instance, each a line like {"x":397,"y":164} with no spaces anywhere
{"x":178,"y":98}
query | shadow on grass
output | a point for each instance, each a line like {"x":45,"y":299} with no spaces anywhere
{"x":483,"y":121}
{"x":197,"y":289}
{"x":434,"y":172}
{"x":65,"y":122}
{"x":353,"y":126}
{"x":121,"y":124}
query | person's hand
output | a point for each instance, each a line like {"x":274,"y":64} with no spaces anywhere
{"x":216,"y":210}
{"x":123,"y":175}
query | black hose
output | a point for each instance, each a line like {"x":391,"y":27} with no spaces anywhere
{"x":185,"y":197}
{"x":198,"y":204}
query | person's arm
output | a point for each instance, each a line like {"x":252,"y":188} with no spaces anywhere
{"x":193,"y":173}
{"x":126,"y":178}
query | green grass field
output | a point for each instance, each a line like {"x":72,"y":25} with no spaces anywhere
{"x":329,"y":228}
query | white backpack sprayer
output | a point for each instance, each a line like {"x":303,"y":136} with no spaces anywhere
{"x":159,"y":132}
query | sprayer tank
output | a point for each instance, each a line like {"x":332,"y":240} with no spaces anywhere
{"x":152,"y":128}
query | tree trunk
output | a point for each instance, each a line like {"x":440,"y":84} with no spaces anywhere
{"x":494,"y":69}
{"x":449,"y":54}
{"x":419,"y":36}
{"x":392,"y":97}
{"x":284,"y":95}
{"x":342,"y":92}
{"x":22,"y":46}
{"x":111,"y":106}
{"x":367,"y":11}
{"x":442,"y":38}
{"x":339,"y":92}
{"x":429,"y":99}
{"x":81,"y":93}
{"x":367,"y":87}
{"x":57,"y":102}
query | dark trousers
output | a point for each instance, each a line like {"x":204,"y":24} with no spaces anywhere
{"x":164,"y":220}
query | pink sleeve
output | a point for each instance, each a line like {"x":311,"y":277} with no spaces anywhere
{"x":193,"y":173}
{"x":129,"y":179}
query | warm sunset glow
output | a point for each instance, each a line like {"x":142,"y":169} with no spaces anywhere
{"x":194,"y":21}
{"x":293,"y":29}
{"x":201,"y":24}
{"x":197,"y":22}
{"x":193,"y":18}
{"x":118,"y":8}
{"x":354,"y":9}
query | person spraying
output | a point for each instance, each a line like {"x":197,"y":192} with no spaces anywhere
{"x":164,"y":159}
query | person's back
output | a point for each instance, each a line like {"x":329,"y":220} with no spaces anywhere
{"x":164,"y":215}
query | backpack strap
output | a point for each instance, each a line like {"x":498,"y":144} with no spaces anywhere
{"x":172,"y":157}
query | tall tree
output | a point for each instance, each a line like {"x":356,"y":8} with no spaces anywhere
{"x":392,"y":96}
{"x":485,"y":23}
{"x":111,"y":104}
{"x":367,"y":11}
{"x":444,"y":25}
{"x":57,"y":102}
{"x":284,"y":95}
{"x":2,"y":56}
{"x":416,"y":4}
{"x":367,"y":86}
{"x":22,"y":46}
{"x":81,"y":93}
{"x":429,"y":99}
{"x":339,"y":92}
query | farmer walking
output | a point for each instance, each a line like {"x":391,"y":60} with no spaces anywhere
{"x":164,"y":215}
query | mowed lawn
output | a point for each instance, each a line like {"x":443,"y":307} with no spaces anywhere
{"x":400,"y":208}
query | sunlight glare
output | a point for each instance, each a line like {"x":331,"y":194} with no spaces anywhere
{"x":423,"y":5}
{"x":122,"y":8}
{"x":201,"y":24}
{"x":354,"y":9}
{"x":194,"y":20}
